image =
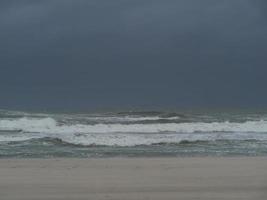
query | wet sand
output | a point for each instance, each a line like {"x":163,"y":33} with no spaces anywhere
{"x":207,"y":178}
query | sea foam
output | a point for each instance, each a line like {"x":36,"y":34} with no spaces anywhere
{"x":129,"y":134}
{"x":50,"y":125}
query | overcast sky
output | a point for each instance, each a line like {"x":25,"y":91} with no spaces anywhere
{"x":89,"y":54}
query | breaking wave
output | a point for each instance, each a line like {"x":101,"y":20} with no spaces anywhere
{"x":50,"y":125}
{"x":23,"y":129}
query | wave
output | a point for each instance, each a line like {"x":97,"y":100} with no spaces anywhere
{"x":114,"y":119}
{"x":25,"y":129}
{"x":50,"y":125}
{"x":131,"y":140}
{"x":54,"y":141}
{"x":126,"y":118}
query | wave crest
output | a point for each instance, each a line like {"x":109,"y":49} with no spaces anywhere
{"x":50,"y":125}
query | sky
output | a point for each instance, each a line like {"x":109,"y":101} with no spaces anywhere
{"x":87,"y":54}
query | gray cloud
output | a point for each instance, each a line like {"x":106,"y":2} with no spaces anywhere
{"x":132,"y":53}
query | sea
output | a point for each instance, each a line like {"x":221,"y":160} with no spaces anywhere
{"x":132,"y":134}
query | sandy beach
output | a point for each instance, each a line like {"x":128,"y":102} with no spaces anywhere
{"x":134,"y":178}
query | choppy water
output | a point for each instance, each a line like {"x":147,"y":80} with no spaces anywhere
{"x":132,"y":134}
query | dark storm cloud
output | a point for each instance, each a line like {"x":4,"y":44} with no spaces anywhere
{"x":132,"y":53}
{"x":262,"y":6}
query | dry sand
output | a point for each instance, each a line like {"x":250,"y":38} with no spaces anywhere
{"x":134,"y":178}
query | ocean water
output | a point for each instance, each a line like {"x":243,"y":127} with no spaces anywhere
{"x":132,"y":134}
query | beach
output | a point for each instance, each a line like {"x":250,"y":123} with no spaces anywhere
{"x":133,"y":100}
{"x":133,"y":156}
{"x":188,"y":178}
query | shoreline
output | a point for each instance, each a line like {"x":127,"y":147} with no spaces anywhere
{"x":134,"y":178}
{"x":135,"y":157}
{"x":139,"y":157}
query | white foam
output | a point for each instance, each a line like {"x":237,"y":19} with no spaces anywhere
{"x":49,"y":125}
{"x":121,"y":139}
{"x":28,"y":124}
{"x":116,"y":119}
{"x":131,"y":134}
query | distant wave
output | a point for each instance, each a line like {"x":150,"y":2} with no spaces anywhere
{"x":114,"y":119}
{"x":50,"y":125}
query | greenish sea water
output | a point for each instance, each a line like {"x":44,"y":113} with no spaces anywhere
{"x":133,"y":134}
